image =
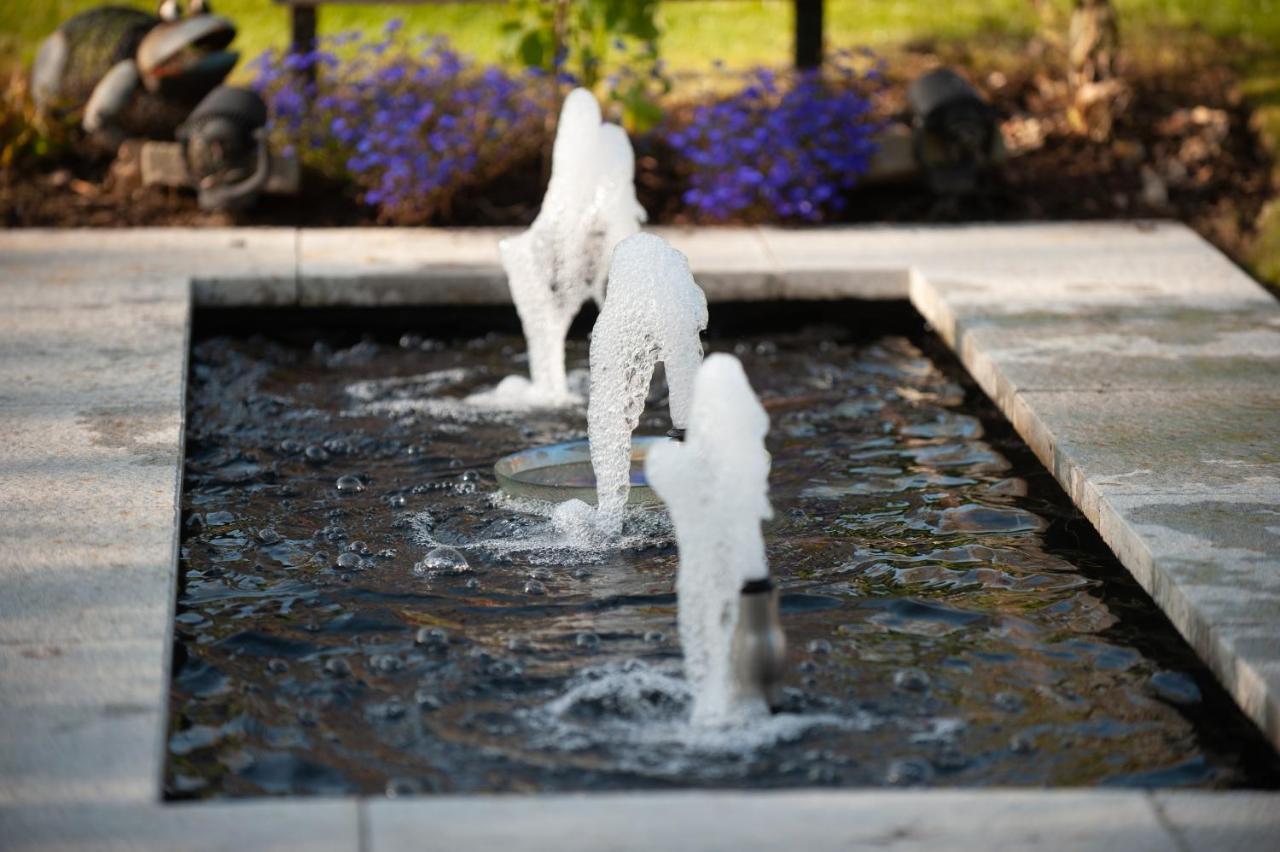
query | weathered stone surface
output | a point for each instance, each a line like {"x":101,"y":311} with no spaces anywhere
{"x":38,"y":676}
{"x":270,"y":826}
{"x":380,"y":266}
{"x":92,"y":356}
{"x":1221,"y":822}
{"x":108,"y":753}
{"x":61,"y":268}
{"x":837,"y":263}
{"x":813,"y":821}
{"x":1136,"y":360}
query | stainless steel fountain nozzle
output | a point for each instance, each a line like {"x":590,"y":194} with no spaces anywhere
{"x":759,"y":644}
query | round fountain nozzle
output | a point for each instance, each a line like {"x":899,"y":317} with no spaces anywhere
{"x":759,"y":644}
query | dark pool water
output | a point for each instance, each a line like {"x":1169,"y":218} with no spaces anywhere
{"x":952,"y":621}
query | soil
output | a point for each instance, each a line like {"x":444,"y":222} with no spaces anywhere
{"x":1180,"y":148}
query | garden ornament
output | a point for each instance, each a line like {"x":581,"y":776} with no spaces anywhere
{"x":954,"y":131}
{"x":225,"y":147}
{"x":130,"y":73}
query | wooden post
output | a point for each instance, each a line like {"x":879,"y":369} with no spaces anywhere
{"x":303,"y":39}
{"x":808,"y":33}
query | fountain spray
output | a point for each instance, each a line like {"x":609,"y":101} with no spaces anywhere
{"x":561,"y":261}
{"x":715,"y":485}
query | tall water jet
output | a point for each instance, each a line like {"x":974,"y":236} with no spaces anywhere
{"x":562,"y":259}
{"x":654,"y":311}
{"x":715,"y":485}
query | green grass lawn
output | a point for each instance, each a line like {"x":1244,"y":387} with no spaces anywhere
{"x":739,"y":32}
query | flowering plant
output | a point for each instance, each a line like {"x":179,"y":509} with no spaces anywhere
{"x":787,"y":148}
{"x":411,"y":123}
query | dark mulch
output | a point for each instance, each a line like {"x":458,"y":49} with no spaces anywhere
{"x":1188,"y":129}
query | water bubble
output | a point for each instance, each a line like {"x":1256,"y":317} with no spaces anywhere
{"x":433,"y":639}
{"x":587,"y":640}
{"x":445,"y":560}
{"x":655,"y":637}
{"x":393,"y":709}
{"x":820,"y":647}
{"x":337,"y":667}
{"x":387,"y":553}
{"x":386,"y":663}
{"x":268,"y":536}
{"x":427,"y":700}
{"x":471,"y":584}
{"x":539,"y":574}
{"x":316,"y":455}
{"x":291,"y":447}
{"x":1022,"y":743}
{"x":535,"y":587}
{"x":397,"y":501}
{"x":338,"y":446}
{"x":1174,"y":687}
{"x":358,"y":547}
{"x":398,"y":787}
{"x":908,"y":772}
{"x":350,"y":484}
{"x":1009,"y":702}
{"x":914,"y":680}
{"x":349,"y":561}
{"x":581,"y":573}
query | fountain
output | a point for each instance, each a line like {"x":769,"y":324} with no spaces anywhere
{"x":715,"y":485}
{"x":654,"y":312}
{"x":561,"y":260}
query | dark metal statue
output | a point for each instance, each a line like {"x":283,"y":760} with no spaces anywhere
{"x":954,"y":131}
{"x":130,"y":73}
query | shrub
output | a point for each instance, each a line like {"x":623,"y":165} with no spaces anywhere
{"x":27,"y":138}
{"x":411,"y":123}
{"x":582,"y":41}
{"x":784,"y":146}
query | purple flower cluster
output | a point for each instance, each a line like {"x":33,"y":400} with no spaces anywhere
{"x":410,"y":123}
{"x":780,"y":148}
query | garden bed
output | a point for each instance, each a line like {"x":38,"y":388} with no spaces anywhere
{"x":1186,"y":128}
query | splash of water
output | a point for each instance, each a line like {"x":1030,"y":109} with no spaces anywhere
{"x":715,"y":485}
{"x":561,"y":260}
{"x":654,"y":312}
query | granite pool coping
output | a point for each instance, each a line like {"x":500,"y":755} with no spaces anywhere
{"x":1139,"y":364}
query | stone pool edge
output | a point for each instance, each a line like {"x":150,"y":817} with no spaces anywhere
{"x":92,"y":361}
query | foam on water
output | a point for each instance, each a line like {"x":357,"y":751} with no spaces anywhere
{"x":641,"y":713}
{"x":654,"y":312}
{"x":715,"y":486}
{"x":561,"y":260}
{"x":557,"y":539}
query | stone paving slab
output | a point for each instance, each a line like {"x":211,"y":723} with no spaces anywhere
{"x":315,"y":825}
{"x":391,"y":266}
{"x":1235,"y":822}
{"x":813,"y":821}
{"x":1176,"y":466}
{"x":93,"y":356}
{"x":51,"y":268}
{"x":89,"y":527}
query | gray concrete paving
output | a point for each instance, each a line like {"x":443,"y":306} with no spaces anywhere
{"x":1137,"y":362}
